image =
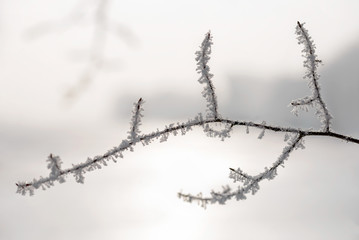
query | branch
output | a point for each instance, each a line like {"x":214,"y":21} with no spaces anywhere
{"x":311,"y":63}
{"x":248,"y":183}
{"x":136,"y":120}
{"x":203,"y":56}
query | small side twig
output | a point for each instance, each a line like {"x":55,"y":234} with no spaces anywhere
{"x":311,"y":64}
{"x":203,"y":56}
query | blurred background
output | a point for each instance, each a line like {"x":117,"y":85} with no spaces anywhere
{"x":71,"y":70}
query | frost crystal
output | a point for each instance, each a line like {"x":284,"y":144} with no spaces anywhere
{"x":261,"y":135}
{"x":222,"y":134}
{"x":54,"y":164}
{"x":79,"y":175}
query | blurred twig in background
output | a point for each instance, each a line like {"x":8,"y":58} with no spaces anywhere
{"x":102,"y":26}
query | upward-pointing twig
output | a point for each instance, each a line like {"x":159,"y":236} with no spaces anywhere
{"x":203,"y":56}
{"x":136,"y":120}
{"x":311,"y":63}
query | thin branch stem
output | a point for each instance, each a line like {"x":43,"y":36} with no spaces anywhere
{"x":311,"y":63}
{"x":203,"y":56}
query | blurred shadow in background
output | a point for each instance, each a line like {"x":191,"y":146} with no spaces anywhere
{"x":96,"y":16}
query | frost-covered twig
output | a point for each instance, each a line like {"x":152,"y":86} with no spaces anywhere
{"x":311,"y":64}
{"x":203,"y":56}
{"x":136,"y":120}
{"x":249,"y":183}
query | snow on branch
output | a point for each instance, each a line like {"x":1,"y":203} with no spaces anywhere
{"x":136,"y":120}
{"x":202,"y":58}
{"x":311,"y":64}
{"x":294,"y":137}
